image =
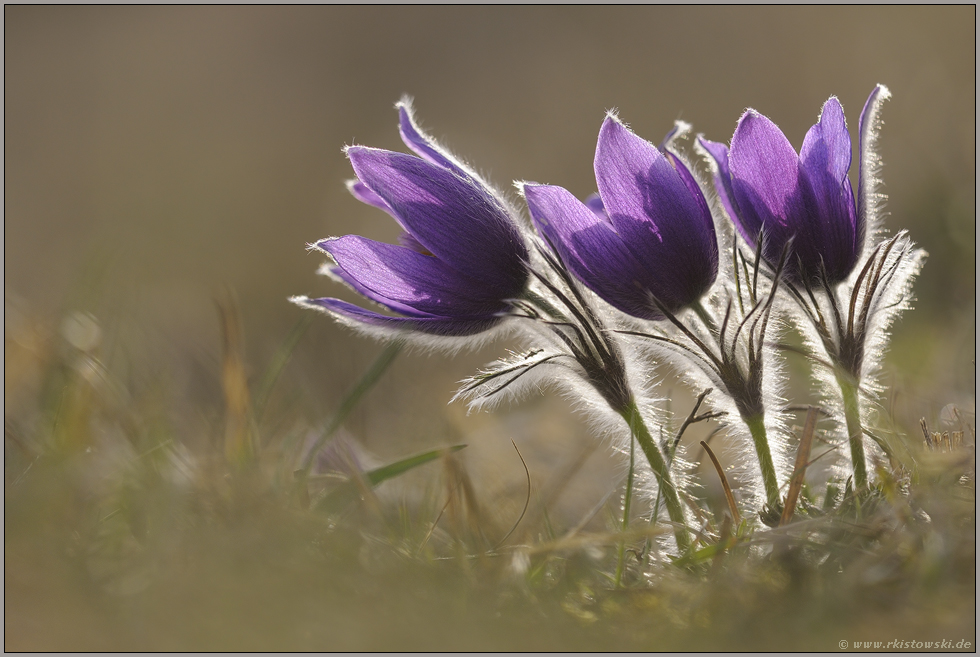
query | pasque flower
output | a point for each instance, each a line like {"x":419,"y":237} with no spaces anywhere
{"x":768,"y":189}
{"x":462,"y":257}
{"x":650,"y":245}
{"x":647,"y":246}
{"x":848,"y":282}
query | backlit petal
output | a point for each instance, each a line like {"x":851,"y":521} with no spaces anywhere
{"x":408,"y":281}
{"x":590,"y":248}
{"x":444,"y":326}
{"x":722,"y":178}
{"x":660,"y":216}
{"x":453,"y":218}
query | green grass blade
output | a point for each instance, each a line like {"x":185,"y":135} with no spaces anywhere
{"x":347,"y":491}
{"x":378,"y":367}
{"x":385,"y":472}
{"x":279,"y":361}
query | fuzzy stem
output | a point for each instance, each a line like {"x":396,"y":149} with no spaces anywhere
{"x":705,"y":317}
{"x":543,"y":303}
{"x":757,"y":427}
{"x":852,"y":413}
{"x":628,"y":498}
{"x":639,"y":430}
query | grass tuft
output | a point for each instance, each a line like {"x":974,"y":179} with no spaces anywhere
{"x":125,"y":530}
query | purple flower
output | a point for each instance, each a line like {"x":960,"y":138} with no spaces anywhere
{"x":765,"y":186}
{"x":648,"y":241}
{"x":461,"y":259}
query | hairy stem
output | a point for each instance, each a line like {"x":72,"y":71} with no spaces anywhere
{"x":627,"y":499}
{"x":757,"y":427}
{"x":852,"y":413}
{"x":705,"y":317}
{"x":642,"y":435}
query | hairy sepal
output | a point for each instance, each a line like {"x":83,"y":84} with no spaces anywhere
{"x":698,"y":375}
{"x":892,"y":297}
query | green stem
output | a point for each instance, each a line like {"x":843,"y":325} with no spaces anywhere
{"x":628,"y":498}
{"x":639,"y":430}
{"x":855,"y":432}
{"x":757,"y":427}
{"x":705,"y":317}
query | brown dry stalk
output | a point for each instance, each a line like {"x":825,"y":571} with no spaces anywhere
{"x":799,"y":469}
{"x":234,"y":382}
{"x":736,"y":516}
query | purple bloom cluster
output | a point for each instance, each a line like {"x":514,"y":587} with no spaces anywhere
{"x":646,"y":243}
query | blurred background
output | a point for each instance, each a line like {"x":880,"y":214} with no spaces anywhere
{"x":155,"y":155}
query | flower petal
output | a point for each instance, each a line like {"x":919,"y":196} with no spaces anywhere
{"x":680,"y":129}
{"x":827,"y":145}
{"x":703,"y":223}
{"x":444,"y":326}
{"x":826,"y":158}
{"x":722,"y":175}
{"x":590,"y":248}
{"x":453,"y":218}
{"x":594,"y":202}
{"x":361,"y":192}
{"x":342,"y":276}
{"x":424,"y":145}
{"x":664,"y":223}
{"x":409,"y":242}
{"x":699,"y":239}
{"x":766,"y":178}
{"x":407,"y":281}
{"x":430,"y":150}
{"x":640,"y":189}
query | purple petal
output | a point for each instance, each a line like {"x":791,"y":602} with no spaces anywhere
{"x":453,"y":218}
{"x":826,"y":158}
{"x":407,"y":281}
{"x":766,"y":179}
{"x":869,"y":117}
{"x":772,"y":191}
{"x":409,"y":242}
{"x":680,"y":129}
{"x":590,"y":248}
{"x":360,"y":191}
{"x":444,"y":326}
{"x":827,"y":145}
{"x":663,"y":222}
{"x":350,"y":281}
{"x":594,"y":203}
{"x":640,"y":189}
{"x":703,"y":223}
{"x":722,"y":175}
{"x":422,"y":144}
